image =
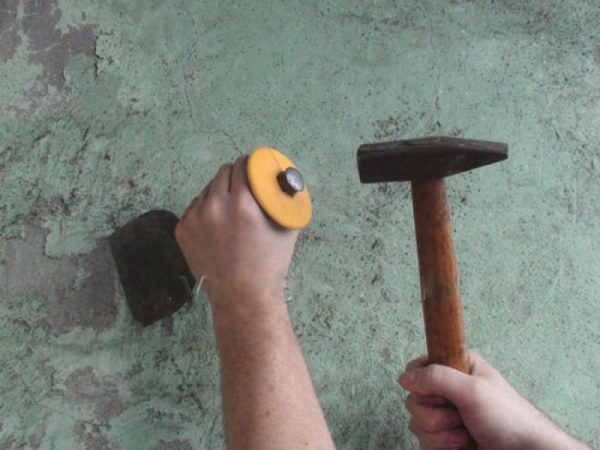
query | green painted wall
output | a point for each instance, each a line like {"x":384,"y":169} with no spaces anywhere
{"x":108,"y":109}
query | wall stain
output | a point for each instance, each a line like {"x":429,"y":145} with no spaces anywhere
{"x":84,"y":384}
{"x":70,"y":301}
{"x":9,"y":30}
{"x":92,"y":437}
{"x":49,"y":46}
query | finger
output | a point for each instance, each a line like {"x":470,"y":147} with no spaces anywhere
{"x":446,"y":439}
{"x":222,"y":181}
{"x":239,"y":176}
{"x":430,"y":400}
{"x":197,"y":202}
{"x":417,"y":363}
{"x":479,"y":366}
{"x":442,"y":381}
{"x":188,"y":209}
{"x":433,"y":418}
{"x":201,"y":199}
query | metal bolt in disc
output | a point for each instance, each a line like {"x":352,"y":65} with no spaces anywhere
{"x":291,"y":181}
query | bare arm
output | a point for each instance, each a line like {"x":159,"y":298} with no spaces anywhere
{"x":268,"y":398}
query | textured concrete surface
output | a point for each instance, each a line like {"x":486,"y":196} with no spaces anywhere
{"x":111,"y":108}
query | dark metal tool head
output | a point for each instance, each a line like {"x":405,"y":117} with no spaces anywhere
{"x":153,"y":272}
{"x":425,"y":159}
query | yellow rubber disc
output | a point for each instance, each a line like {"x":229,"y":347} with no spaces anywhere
{"x":289,"y":211}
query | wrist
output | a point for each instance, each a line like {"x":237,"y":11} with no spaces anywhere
{"x":548,"y":436}
{"x":225,"y":291}
{"x":241,"y":307}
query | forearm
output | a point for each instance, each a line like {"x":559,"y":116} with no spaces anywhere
{"x":548,"y":436}
{"x":268,"y":398}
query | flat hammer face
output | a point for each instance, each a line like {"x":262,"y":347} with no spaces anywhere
{"x":425,"y":159}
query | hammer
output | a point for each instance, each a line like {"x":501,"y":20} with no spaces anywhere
{"x":425,"y":162}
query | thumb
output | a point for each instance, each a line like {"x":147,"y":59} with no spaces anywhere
{"x":439,"y":381}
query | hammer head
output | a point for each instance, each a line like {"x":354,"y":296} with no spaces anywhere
{"x":425,"y":159}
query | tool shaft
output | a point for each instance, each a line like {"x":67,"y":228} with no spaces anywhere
{"x":440,"y":292}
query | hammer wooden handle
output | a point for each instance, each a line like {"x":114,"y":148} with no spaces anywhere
{"x":440,"y":292}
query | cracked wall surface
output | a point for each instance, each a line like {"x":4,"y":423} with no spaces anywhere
{"x":109,"y":109}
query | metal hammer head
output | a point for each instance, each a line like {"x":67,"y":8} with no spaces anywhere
{"x":425,"y":159}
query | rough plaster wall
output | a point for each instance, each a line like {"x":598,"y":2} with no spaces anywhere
{"x":111,"y":108}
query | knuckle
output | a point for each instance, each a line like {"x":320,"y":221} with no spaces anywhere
{"x":224,"y":168}
{"x":246,"y":210}
{"x":210,"y":208}
{"x":212,"y":212}
{"x":433,"y":421}
{"x":433,"y":375}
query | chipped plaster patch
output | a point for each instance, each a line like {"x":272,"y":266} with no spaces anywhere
{"x":36,"y":438}
{"x":50,"y":47}
{"x":29,"y":272}
{"x":84,"y":384}
{"x":72,"y":238}
{"x":9,"y":31}
{"x":92,"y":437}
{"x":49,"y":44}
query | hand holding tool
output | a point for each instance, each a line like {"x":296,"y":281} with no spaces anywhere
{"x":155,"y":277}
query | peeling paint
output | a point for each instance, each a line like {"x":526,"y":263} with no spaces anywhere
{"x":36,"y":438}
{"x":70,"y":302}
{"x":84,"y":385}
{"x":93,"y":437}
{"x":9,"y":31}
{"x":48,"y":45}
